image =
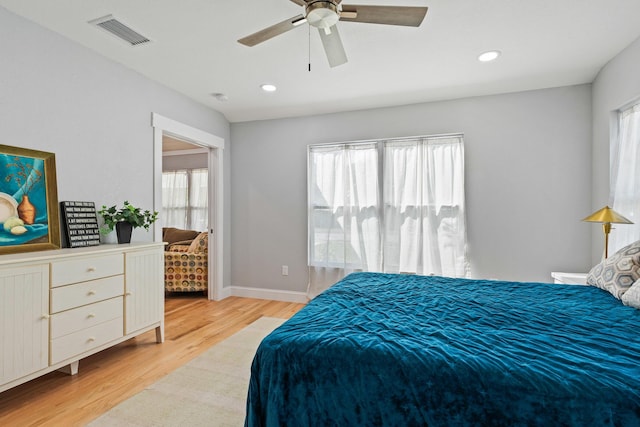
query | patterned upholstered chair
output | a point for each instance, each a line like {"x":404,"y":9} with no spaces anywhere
{"x":185,"y":266}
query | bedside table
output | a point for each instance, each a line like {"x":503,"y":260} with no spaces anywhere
{"x":569,"y":278}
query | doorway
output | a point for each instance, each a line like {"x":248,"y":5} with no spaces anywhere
{"x":211,"y":145}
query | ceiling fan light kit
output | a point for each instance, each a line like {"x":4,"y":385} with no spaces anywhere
{"x":325,"y":14}
{"x":322,"y":14}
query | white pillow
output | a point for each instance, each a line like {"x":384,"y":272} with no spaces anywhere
{"x":632,"y":296}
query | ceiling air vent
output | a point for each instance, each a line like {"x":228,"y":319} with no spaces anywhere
{"x":120,"y":30}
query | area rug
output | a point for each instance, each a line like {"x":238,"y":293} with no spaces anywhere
{"x":210,"y":390}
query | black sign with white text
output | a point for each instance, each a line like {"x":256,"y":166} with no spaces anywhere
{"x":81,"y":224}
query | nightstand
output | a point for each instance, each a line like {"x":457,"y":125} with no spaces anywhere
{"x":569,"y":278}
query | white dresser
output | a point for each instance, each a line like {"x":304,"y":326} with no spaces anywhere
{"x":57,"y":307}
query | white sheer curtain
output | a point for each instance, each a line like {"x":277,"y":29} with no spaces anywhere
{"x":625,"y":179}
{"x":184,"y":199}
{"x":424,"y":207}
{"x":174,"y":199}
{"x":344,"y":223}
{"x":198,"y":216}
{"x":403,"y":214}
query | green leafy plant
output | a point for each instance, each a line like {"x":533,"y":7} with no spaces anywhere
{"x":128,"y":213}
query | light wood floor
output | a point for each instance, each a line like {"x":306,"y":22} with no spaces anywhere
{"x":192,"y":325}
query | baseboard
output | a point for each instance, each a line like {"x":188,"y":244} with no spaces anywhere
{"x":226,"y":292}
{"x":271,"y":294}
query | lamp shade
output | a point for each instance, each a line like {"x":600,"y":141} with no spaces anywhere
{"x":607,"y":215}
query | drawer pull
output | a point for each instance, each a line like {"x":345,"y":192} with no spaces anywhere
{"x":91,"y":315}
{"x":91,"y":269}
{"x":91,"y":339}
{"x":91,"y":293}
{"x":46,"y":316}
{"x":128,"y":293}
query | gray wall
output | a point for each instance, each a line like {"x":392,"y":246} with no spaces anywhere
{"x":94,"y":114}
{"x":528,"y":159}
{"x":617,"y":84}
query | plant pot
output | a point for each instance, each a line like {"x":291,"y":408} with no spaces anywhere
{"x":123,"y":231}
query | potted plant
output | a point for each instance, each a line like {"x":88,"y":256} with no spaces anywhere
{"x":125,"y":219}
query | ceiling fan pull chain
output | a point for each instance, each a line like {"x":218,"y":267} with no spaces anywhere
{"x":309,"y":45}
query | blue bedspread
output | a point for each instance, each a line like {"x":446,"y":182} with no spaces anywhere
{"x":397,"y":350}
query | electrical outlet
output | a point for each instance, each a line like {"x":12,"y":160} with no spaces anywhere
{"x":285,"y":270}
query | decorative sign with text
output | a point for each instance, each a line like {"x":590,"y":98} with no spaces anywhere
{"x":81,"y":223}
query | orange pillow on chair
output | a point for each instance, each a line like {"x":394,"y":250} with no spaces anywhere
{"x":200,"y":244}
{"x":173,"y":235}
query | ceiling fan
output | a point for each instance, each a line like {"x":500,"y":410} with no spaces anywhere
{"x":324,"y":15}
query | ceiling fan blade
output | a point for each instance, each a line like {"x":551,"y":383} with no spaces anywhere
{"x":410,"y":16}
{"x":333,"y":46}
{"x":270,"y":32}
{"x":300,"y":2}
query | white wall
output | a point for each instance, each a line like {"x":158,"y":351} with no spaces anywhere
{"x":94,"y":114}
{"x":528,"y":159}
{"x":617,"y":84}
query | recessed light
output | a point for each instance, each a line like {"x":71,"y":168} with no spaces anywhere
{"x":268,"y":88}
{"x":489,"y":56}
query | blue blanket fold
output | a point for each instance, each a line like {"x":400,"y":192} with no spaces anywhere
{"x":398,"y":350}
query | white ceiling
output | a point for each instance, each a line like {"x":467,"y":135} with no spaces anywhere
{"x":544,"y":43}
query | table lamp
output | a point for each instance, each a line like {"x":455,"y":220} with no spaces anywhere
{"x":607,"y":216}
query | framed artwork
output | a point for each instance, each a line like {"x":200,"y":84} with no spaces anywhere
{"x":28,"y":200}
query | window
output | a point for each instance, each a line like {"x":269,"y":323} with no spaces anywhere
{"x":184,"y":199}
{"x":344,"y":224}
{"x":392,"y":206}
{"x":424,"y":221}
{"x":625,"y":179}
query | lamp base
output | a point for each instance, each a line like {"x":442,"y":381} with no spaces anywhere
{"x":606,"y":229}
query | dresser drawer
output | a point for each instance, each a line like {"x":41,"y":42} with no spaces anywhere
{"x":77,"y":270}
{"x":84,"y":317}
{"x":72,"y":296}
{"x":87,"y":339}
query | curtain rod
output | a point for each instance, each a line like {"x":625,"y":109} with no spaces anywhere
{"x":403,"y":138}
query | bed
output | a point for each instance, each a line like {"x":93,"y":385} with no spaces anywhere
{"x":401,"y":350}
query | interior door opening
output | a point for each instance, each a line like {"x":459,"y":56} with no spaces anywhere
{"x":185,"y":210}
{"x":214,"y":146}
